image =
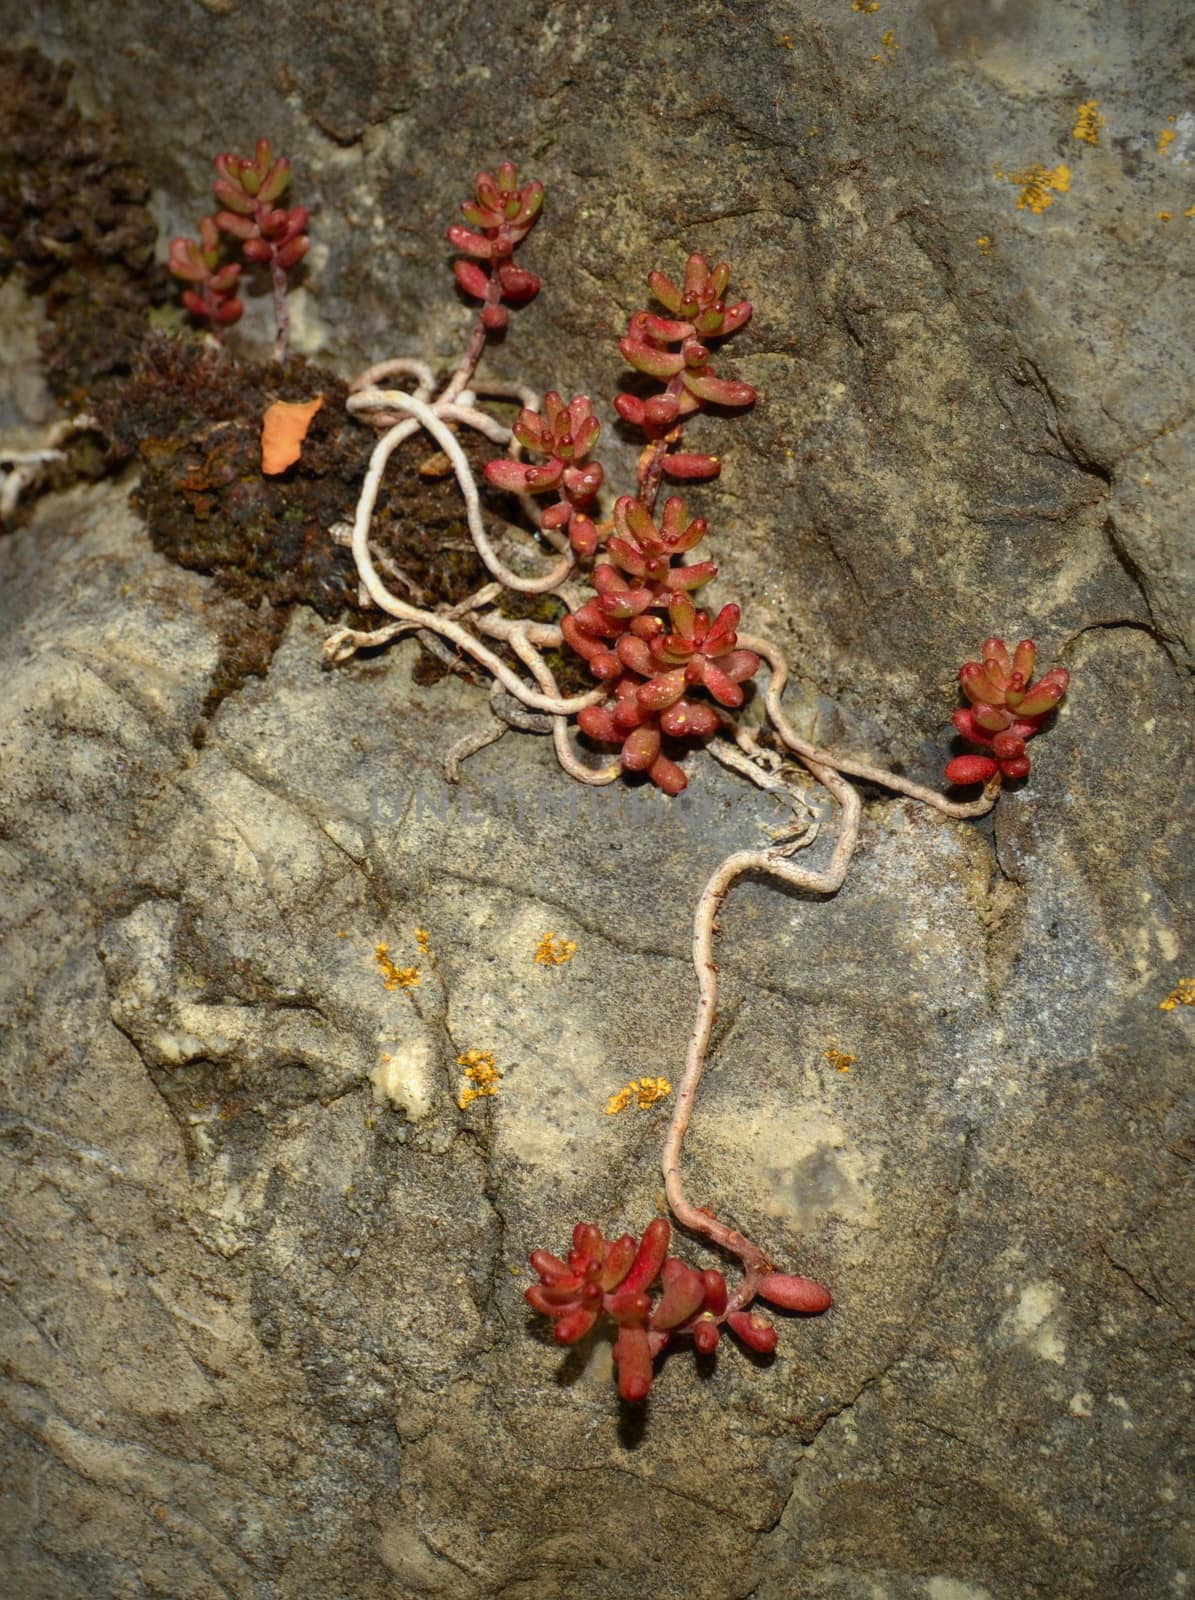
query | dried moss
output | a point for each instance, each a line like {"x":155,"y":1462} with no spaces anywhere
{"x":191,"y":417}
{"x":74,"y":220}
{"x":73,"y":217}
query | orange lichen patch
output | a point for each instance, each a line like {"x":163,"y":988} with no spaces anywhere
{"x":1038,"y":185}
{"x":483,"y":1073}
{"x":1165,"y":216}
{"x":839,"y":1060}
{"x":867,"y":7}
{"x":984,"y":242}
{"x":395,"y":977}
{"x":1189,"y":212}
{"x":1166,"y":138}
{"x":1088,"y":123}
{"x":643,"y":1091}
{"x":283,"y":429}
{"x":554,"y":952}
{"x":1182,"y":995}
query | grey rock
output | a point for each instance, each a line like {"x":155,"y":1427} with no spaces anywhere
{"x":263,"y":1328}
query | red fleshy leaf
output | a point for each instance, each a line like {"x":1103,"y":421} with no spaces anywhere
{"x":689,"y":719}
{"x":682,"y":1298}
{"x":756,"y":1332}
{"x":667,"y":776}
{"x":471,"y":278}
{"x":970,"y":769}
{"x":641,"y":749}
{"x":572,"y":1327}
{"x":707,"y":1336}
{"x":596,"y":722}
{"x":653,"y":1247}
{"x":719,"y":391}
{"x":632,"y":1352}
{"x":794,"y":1293}
{"x":510,"y":475}
{"x":472,"y":244}
{"x":646,"y":358}
{"x":716,"y":1292}
{"x":547,"y":1265}
{"x":688,"y":468}
{"x":1018,"y":767}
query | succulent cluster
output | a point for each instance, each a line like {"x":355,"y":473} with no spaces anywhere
{"x":566,"y":434}
{"x":212,"y":295}
{"x":675,"y":350}
{"x":643,"y":635}
{"x":1006,"y":710}
{"x":615,"y":1279}
{"x":248,"y":188}
{"x":500,"y":216}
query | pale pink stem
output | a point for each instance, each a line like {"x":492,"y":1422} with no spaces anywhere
{"x":281,"y":312}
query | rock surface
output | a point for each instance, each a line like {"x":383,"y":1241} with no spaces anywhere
{"x":263,"y":1327}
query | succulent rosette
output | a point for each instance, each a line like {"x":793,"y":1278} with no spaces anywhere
{"x":1006,"y":710}
{"x":249,"y":188}
{"x":643,"y":634}
{"x":651,"y":1298}
{"x":675,"y":350}
{"x":211,"y":292}
{"x":499,"y":217}
{"x":566,"y":435}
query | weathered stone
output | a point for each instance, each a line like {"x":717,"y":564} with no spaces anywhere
{"x":264,"y":1334}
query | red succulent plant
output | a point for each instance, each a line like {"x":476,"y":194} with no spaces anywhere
{"x":1006,"y":710}
{"x":212,"y":292}
{"x":248,"y":188}
{"x":675,"y":350}
{"x":500,"y":216}
{"x":654,"y":663}
{"x":615,"y":1279}
{"x":566,"y":435}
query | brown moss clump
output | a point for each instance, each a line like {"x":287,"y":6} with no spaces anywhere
{"x":74,"y":221}
{"x":73,"y":216}
{"x":192,"y":417}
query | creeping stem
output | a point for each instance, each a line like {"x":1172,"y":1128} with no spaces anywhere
{"x":741,"y":863}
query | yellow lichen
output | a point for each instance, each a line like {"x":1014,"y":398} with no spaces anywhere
{"x":1182,"y":995}
{"x":1088,"y":123}
{"x":984,"y":242}
{"x":839,"y":1060}
{"x":644,"y":1091}
{"x":554,"y":952}
{"x":423,"y":940}
{"x":1189,"y":212}
{"x":394,"y":977}
{"x":867,"y":7}
{"x":1038,"y":185}
{"x":1165,"y":139}
{"x":483,"y":1073}
{"x":1165,"y":216}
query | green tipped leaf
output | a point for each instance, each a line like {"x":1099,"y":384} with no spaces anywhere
{"x":719,"y":391}
{"x":663,"y":364}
